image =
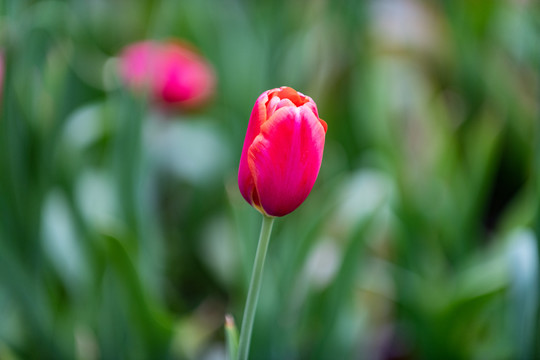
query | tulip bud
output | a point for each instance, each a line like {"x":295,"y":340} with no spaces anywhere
{"x":282,"y":151}
{"x":173,"y":74}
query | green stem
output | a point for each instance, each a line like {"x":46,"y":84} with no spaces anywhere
{"x":254,"y":288}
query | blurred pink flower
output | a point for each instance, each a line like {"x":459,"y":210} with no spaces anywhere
{"x":172,"y":73}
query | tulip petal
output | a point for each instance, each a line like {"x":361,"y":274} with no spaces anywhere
{"x":285,"y":158}
{"x":245,"y":178}
{"x":324,"y":124}
{"x":294,"y":96}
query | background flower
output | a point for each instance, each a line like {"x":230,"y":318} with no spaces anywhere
{"x":172,"y":72}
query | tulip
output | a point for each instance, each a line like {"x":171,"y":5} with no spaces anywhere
{"x":280,"y":161}
{"x":282,"y":152}
{"x":172,"y":73}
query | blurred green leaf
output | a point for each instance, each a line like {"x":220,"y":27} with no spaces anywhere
{"x":523,"y":262}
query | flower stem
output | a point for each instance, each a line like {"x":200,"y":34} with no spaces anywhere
{"x":254,"y":288}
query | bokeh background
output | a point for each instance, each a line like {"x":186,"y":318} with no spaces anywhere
{"x":122,"y":231}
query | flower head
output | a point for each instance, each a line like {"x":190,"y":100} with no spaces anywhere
{"x":173,"y":73}
{"x":282,"y":151}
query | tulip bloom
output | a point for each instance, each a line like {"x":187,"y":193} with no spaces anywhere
{"x":173,"y":73}
{"x":282,"y":151}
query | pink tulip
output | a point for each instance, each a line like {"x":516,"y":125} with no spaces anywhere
{"x":172,"y":72}
{"x":282,"y":151}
